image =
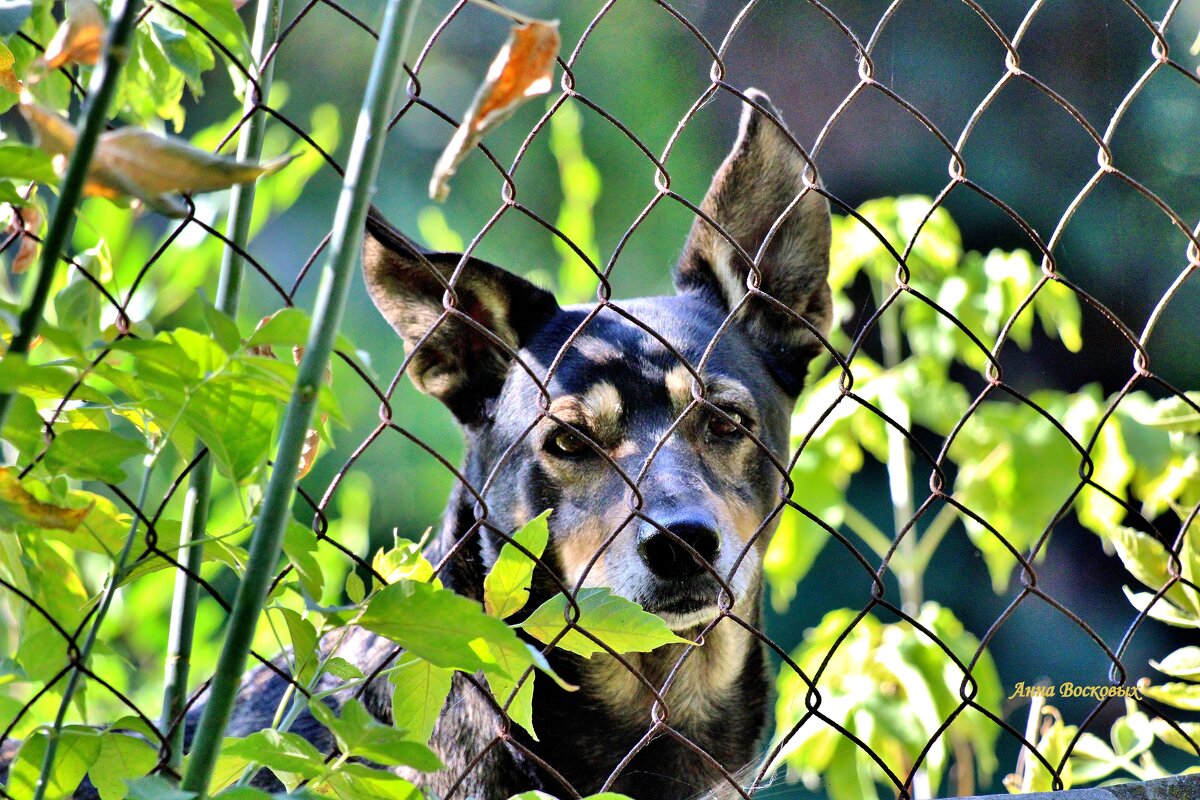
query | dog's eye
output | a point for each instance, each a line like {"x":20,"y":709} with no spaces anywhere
{"x":726,"y":425}
{"x":566,"y":444}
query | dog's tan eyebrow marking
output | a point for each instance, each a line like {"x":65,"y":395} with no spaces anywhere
{"x":679,"y":387}
{"x":716,"y":388}
{"x":599,"y":410}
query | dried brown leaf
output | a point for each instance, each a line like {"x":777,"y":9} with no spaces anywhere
{"x":137,"y":163}
{"x":312,"y":440}
{"x":522,"y":70}
{"x":27,"y":220}
{"x":80,"y":38}
{"x":18,"y":505}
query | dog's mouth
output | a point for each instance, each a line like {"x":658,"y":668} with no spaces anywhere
{"x":685,"y":607}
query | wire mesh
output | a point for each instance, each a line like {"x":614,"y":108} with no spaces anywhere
{"x":500,"y":732}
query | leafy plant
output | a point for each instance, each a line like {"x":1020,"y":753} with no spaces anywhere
{"x":1101,"y":457}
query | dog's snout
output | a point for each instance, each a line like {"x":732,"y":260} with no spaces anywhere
{"x":667,"y":554}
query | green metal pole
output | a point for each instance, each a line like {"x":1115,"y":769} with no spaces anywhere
{"x":346,"y":241}
{"x":94,"y":113}
{"x":196,"y":502}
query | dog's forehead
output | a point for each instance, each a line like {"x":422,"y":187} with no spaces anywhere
{"x":639,"y":348}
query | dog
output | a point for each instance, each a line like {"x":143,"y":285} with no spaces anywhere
{"x":665,"y":489}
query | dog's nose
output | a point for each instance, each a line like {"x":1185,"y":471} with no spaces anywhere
{"x":666,"y":555}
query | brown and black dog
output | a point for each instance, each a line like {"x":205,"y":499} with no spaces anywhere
{"x":623,"y":412}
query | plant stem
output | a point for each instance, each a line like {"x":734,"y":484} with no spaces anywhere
{"x":899,"y":466}
{"x":933,"y":535}
{"x":361,"y":170}
{"x":94,"y":113}
{"x":85,"y":652}
{"x":196,"y":502}
{"x":866,"y":530}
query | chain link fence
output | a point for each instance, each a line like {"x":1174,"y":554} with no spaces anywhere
{"x":909,"y":447}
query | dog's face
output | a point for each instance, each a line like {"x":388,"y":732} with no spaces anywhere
{"x":656,"y":429}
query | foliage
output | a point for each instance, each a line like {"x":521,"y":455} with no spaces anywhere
{"x":1107,"y":459}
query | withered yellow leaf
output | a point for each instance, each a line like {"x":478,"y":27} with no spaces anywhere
{"x":18,"y":505}
{"x":151,"y":168}
{"x":523,"y":69}
{"x":8,"y":78}
{"x":80,"y":38}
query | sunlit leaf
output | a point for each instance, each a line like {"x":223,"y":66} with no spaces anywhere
{"x":1175,"y":414}
{"x":1176,"y":695}
{"x":360,"y":734}
{"x":279,"y":751}
{"x":621,"y":624}
{"x":92,"y":455}
{"x":1183,"y":663}
{"x":122,"y":758}
{"x":1188,"y":740}
{"x":24,"y":163}
{"x":506,"y":586}
{"x":523,"y":69}
{"x":420,"y":692}
{"x":80,"y":38}
{"x":440,"y":626}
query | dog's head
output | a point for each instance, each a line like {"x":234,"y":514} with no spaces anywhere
{"x":661,"y":439}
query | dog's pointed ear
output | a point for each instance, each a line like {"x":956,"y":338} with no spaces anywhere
{"x":762,"y":180}
{"x":456,"y":363}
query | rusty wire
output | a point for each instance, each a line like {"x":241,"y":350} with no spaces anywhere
{"x":391,"y":424}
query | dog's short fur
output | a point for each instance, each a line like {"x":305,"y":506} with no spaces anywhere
{"x":619,"y":394}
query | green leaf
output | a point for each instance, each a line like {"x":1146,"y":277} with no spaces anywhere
{"x":289,"y":327}
{"x":92,"y":455}
{"x":420,"y":693}
{"x":279,"y":751}
{"x":520,"y":701}
{"x":304,"y":644}
{"x":122,"y":758}
{"x":506,"y":586}
{"x":1165,"y":733}
{"x":361,"y":735}
{"x":1147,"y":560}
{"x":1176,"y":695}
{"x":78,"y":749}
{"x":1183,"y":663}
{"x":621,"y":624}
{"x":156,"y":787}
{"x":440,"y":626}
{"x":342,"y":669}
{"x":1174,"y":414}
{"x":300,"y":548}
{"x":223,"y":328}
{"x":24,"y":163}
{"x":360,"y":782}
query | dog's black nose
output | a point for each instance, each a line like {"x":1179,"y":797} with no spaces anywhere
{"x":666,"y":555}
